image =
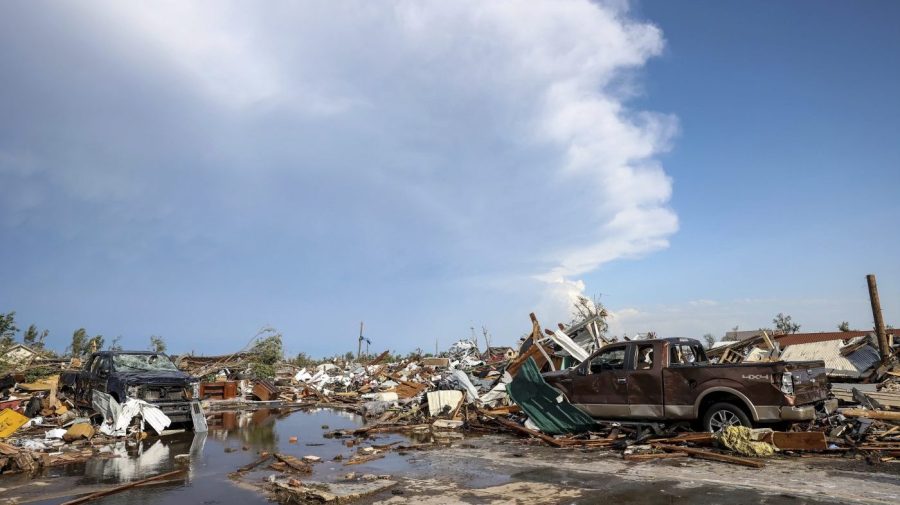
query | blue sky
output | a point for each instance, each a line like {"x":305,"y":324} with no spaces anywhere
{"x":200,"y":170}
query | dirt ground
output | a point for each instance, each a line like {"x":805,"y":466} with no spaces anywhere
{"x":489,"y":469}
{"x":497,"y":470}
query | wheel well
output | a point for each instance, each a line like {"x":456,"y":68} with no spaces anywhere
{"x":723,"y":397}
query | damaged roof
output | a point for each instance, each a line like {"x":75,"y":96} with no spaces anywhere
{"x":855,"y":365}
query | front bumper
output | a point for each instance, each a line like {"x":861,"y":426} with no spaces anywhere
{"x":807,"y":412}
{"x":178,"y":412}
{"x":804,"y":413}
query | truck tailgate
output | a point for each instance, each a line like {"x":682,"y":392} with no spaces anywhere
{"x":810,"y":381}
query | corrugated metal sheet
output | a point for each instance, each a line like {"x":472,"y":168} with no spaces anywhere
{"x":854,"y":365}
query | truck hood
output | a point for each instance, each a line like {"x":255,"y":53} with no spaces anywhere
{"x":155,"y":377}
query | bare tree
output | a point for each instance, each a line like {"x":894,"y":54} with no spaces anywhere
{"x":710,"y":340}
{"x":844,"y":326}
{"x":586,"y":308}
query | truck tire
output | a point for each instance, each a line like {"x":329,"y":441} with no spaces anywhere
{"x":721,"y":415}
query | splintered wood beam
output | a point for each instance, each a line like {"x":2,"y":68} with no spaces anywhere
{"x":882,"y":415}
{"x":712,"y":456}
{"x":123,"y":487}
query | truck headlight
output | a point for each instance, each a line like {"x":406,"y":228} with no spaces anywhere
{"x":195,"y":390}
{"x":787,"y":383}
{"x":133,"y":391}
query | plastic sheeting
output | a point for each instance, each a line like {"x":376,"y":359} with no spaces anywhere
{"x":463,"y":379}
{"x":540,"y":402}
{"x":116,"y":418}
{"x":151,"y":414}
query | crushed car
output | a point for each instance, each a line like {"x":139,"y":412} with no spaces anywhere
{"x":144,"y":375}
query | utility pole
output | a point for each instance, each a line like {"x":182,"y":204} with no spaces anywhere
{"x":883,"y":347}
{"x":359,"y":342}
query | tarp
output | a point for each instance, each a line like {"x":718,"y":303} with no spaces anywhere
{"x":545,"y":405}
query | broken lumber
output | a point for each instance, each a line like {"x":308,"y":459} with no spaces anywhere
{"x":294,"y":463}
{"x":882,"y":415}
{"x":123,"y":487}
{"x":360,"y":458}
{"x":521,"y":429}
{"x":263,"y":456}
{"x":712,"y":456}
{"x":654,"y":456}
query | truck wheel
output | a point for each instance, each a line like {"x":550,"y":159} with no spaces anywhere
{"x":722,"y":415}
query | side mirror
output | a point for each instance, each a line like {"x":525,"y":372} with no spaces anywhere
{"x":581,"y":370}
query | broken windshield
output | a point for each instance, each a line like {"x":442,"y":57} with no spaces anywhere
{"x":143,"y":362}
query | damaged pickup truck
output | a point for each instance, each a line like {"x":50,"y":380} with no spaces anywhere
{"x":671,"y":380}
{"x":145,"y":375}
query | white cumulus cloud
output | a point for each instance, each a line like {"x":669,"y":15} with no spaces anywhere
{"x":436,"y":140}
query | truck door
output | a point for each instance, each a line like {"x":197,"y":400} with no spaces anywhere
{"x":644,"y":377}
{"x":100,"y":377}
{"x":600,"y":387}
{"x":83,"y":381}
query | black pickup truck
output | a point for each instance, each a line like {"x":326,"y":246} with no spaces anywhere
{"x":145,"y":375}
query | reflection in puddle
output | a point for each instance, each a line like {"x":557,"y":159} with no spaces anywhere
{"x":234,"y":440}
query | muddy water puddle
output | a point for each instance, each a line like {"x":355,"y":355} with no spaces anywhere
{"x":234,"y":440}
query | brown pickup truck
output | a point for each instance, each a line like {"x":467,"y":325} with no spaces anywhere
{"x":671,"y":380}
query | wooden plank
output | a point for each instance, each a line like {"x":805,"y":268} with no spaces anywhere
{"x":882,"y":415}
{"x":655,"y":456}
{"x":263,"y":457}
{"x":500,"y":411}
{"x":123,"y":487}
{"x":455,"y":414}
{"x":521,"y":429}
{"x":799,"y":440}
{"x":294,"y":463}
{"x":359,"y":458}
{"x":712,"y":456}
{"x":379,"y":358}
{"x":533,"y":352}
{"x":694,"y":438}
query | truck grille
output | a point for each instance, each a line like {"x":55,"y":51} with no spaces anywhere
{"x":163,"y":393}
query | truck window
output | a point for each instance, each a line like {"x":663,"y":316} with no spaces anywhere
{"x":684,"y":354}
{"x":644,"y":357}
{"x":95,"y":364}
{"x":143,"y":362}
{"x":610,"y":359}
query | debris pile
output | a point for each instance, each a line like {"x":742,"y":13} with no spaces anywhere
{"x":439,"y":399}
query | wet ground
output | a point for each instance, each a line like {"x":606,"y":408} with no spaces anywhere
{"x":488,"y":469}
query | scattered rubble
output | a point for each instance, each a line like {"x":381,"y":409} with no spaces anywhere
{"x":442,"y":399}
